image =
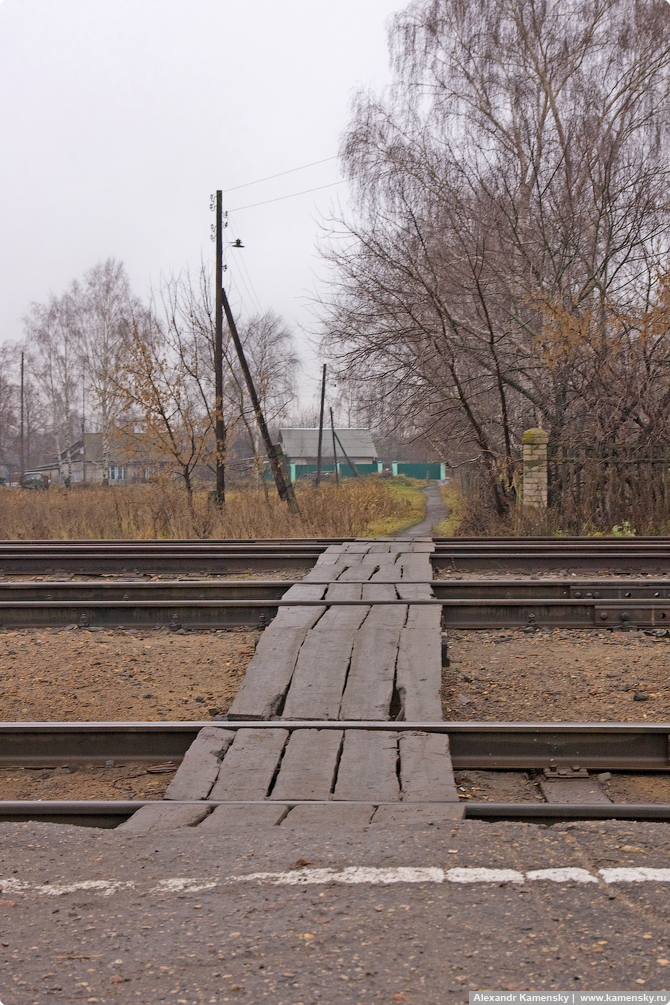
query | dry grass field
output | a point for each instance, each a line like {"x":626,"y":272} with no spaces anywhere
{"x":366,"y":508}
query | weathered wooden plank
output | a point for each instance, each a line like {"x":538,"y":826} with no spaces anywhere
{"x":164,"y":816}
{"x":415,"y":567}
{"x":426,"y":772}
{"x":270,"y":671}
{"x":250,"y":764}
{"x":369,"y":686}
{"x":389,"y":572}
{"x":331,"y":815}
{"x":321,"y":669}
{"x":379,"y":591}
{"x":368,"y":767}
{"x":419,"y":665}
{"x":307,"y":770}
{"x":417,"y":814}
{"x":358,"y":573}
{"x":357,"y":547}
{"x":344,"y":591}
{"x":200,"y":767}
{"x":230,"y":817}
{"x":415,"y":591}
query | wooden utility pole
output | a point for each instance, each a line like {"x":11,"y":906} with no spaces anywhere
{"x":323,"y":400}
{"x":332,"y":428}
{"x":346,"y":457}
{"x":21,"y":436}
{"x":219,"y":424}
{"x":284,"y":488}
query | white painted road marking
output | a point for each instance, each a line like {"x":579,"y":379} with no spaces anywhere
{"x":182,"y":884}
{"x":103,"y":886}
{"x":563,"y":875}
{"x":641,"y":875}
{"x":352,"y":875}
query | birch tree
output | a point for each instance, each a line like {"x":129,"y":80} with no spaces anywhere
{"x":53,"y":358}
{"x":104,"y":313}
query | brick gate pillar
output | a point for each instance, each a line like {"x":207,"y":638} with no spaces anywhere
{"x":535,"y":468}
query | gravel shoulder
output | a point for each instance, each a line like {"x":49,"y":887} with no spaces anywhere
{"x":191,"y":577}
{"x":119,"y":676}
{"x":120,"y":780}
{"x":556,"y":676}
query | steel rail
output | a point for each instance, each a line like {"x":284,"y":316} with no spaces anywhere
{"x":244,"y":589}
{"x":110,"y":813}
{"x":485,"y":745}
{"x":226,"y":556}
{"x":472,"y":613}
{"x":113,"y":557}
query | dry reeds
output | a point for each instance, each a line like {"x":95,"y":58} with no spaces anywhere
{"x":162,"y":510}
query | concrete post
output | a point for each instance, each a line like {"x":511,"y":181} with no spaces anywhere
{"x":535,"y":468}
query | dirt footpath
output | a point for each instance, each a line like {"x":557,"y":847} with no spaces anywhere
{"x":82,"y":675}
{"x":556,"y":676}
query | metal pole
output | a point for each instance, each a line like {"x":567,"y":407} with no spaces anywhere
{"x":219,"y":424}
{"x":284,"y":489}
{"x":323,"y":399}
{"x":21,"y":438}
{"x":332,"y":427}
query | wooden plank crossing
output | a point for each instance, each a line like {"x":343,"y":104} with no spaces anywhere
{"x":269,"y":674}
{"x":358,"y":663}
{"x":200,"y":767}
{"x":309,"y":766}
{"x":368,"y":691}
{"x":368,"y":768}
{"x":321,"y":671}
{"x":249,"y":766}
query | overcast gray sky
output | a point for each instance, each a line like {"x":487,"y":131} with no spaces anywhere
{"x":118,"y":119}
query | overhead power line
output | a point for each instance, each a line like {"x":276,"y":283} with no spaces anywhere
{"x":291,"y":196}
{"x":281,"y":174}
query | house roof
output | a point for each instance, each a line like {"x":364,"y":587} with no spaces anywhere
{"x":303,"y":443}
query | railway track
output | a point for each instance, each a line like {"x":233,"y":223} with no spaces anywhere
{"x":623,"y":747}
{"x":532,"y":554}
{"x":221,"y":604}
{"x":155,"y":557}
{"x":223,"y":557}
{"x":202,"y":603}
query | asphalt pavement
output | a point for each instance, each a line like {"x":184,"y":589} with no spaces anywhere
{"x":332,"y":914}
{"x":436,"y":512}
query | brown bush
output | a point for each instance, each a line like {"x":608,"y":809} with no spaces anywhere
{"x":161,"y":510}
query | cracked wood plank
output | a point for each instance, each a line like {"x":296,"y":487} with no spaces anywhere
{"x":250,"y":764}
{"x":368,"y":767}
{"x":369,"y":687}
{"x":199,"y":769}
{"x":307,"y":770}
{"x":270,"y":671}
{"x":426,"y":772}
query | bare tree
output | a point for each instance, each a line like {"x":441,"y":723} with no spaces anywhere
{"x":187,"y":307}
{"x":8,"y":409}
{"x":103,"y":313}
{"x":514,"y":170}
{"x":53,"y":359}
{"x":167,"y":421}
